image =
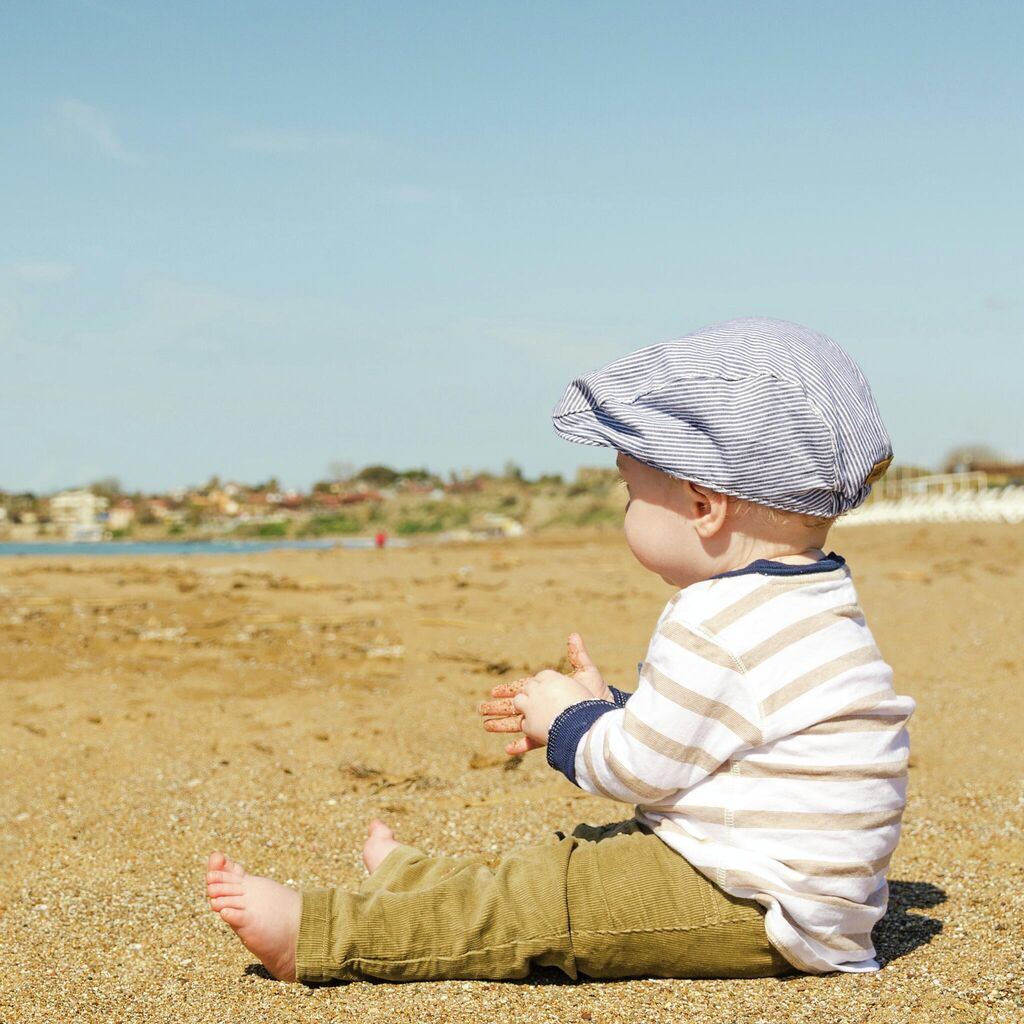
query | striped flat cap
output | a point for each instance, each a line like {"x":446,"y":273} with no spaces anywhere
{"x":756,"y":408}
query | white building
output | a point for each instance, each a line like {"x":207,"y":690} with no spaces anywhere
{"x":75,"y":514}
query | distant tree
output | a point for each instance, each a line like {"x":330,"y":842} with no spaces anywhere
{"x":965,"y":457}
{"x":273,"y":484}
{"x":377,"y":476}
{"x":108,"y":487}
{"x":513,"y":471}
{"x":213,"y":484}
{"x":323,"y":486}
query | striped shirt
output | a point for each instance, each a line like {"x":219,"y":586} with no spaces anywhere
{"x":765,"y":744}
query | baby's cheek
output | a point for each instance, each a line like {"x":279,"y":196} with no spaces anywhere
{"x":642,"y":541}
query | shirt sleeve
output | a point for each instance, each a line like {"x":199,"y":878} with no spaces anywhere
{"x":619,"y":697}
{"x":691,"y":712}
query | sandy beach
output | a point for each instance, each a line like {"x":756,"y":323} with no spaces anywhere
{"x":156,"y":709}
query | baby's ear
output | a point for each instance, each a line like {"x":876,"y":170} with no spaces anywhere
{"x":707,"y":509}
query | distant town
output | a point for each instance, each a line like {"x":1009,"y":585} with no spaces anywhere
{"x":378,"y":501}
{"x":372,"y":501}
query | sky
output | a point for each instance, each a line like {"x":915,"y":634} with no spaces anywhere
{"x":253,"y":238}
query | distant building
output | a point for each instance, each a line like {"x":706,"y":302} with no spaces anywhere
{"x":291,"y":500}
{"x":356,"y":497}
{"x":76,"y":514}
{"x":464,"y":486}
{"x":326,"y":500}
{"x":222,"y":501}
{"x":122,"y":515}
{"x":156,"y":510}
{"x":255,"y":502}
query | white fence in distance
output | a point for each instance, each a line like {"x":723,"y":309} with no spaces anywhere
{"x":992,"y":505}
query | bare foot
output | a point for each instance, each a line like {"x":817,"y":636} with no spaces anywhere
{"x":380,"y":842}
{"x":264,"y":914}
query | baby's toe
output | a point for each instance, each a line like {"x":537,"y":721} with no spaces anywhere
{"x":236,"y":902}
{"x":223,"y":876}
{"x":223,"y":889}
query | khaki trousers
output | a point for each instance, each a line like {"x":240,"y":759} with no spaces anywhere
{"x":607,"y":902}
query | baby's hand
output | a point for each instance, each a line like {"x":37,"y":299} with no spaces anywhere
{"x":543,"y":699}
{"x":584,"y":671}
{"x":530,"y":706}
{"x":503,"y":715}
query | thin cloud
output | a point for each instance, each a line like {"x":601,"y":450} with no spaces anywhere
{"x":288,"y":142}
{"x":42,"y":272}
{"x":93,"y":124}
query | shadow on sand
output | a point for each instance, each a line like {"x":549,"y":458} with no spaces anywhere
{"x":259,"y":971}
{"x":901,"y":932}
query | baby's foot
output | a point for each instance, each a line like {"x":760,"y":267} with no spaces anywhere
{"x":380,"y":843}
{"x":264,"y":914}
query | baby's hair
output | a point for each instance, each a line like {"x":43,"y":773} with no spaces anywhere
{"x":778,"y":516}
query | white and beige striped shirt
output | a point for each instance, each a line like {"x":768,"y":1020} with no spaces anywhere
{"x":766,"y":744}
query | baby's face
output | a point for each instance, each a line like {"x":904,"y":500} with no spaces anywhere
{"x":658,"y":530}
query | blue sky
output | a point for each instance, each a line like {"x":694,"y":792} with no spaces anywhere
{"x":253,"y":238}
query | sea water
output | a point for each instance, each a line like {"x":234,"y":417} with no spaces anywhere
{"x":174,"y":548}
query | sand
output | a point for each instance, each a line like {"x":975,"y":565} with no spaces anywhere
{"x":153,"y":710}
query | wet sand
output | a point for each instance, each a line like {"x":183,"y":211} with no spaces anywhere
{"x":153,"y":710}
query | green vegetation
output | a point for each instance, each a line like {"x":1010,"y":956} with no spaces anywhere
{"x":587,"y":514}
{"x":323,"y":526}
{"x":433,"y":517}
{"x":277,"y":528}
{"x":378,"y":476}
{"x":597,"y":515}
{"x":407,"y":527}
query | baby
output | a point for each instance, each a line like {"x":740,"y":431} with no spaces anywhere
{"x":764,"y":749}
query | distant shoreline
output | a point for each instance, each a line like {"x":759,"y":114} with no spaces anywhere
{"x":10,"y":549}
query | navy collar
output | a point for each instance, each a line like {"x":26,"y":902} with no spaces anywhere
{"x":765,"y":567}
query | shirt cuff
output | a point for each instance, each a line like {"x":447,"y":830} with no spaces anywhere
{"x":620,"y":696}
{"x":568,"y":729}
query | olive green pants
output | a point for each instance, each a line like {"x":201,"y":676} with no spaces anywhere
{"x":607,"y":902}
